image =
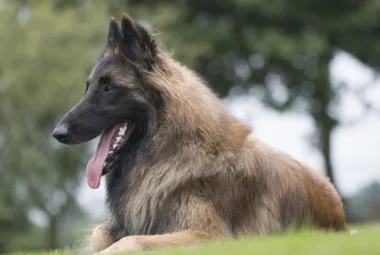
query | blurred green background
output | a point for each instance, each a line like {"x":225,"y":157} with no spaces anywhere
{"x":275,"y":53}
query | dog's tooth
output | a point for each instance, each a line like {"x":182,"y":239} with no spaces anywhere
{"x":114,"y":146}
{"x":118,"y":139}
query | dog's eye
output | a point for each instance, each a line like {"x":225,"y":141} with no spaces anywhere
{"x":108,"y":88}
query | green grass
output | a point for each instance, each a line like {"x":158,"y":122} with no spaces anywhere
{"x":365,"y":241}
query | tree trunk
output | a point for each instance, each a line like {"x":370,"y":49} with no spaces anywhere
{"x":326,"y":133}
{"x":53,"y":232}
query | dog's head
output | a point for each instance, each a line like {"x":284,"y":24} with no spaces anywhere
{"x":117,"y":104}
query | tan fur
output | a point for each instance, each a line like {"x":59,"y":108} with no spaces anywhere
{"x":154,"y":242}
{"x":102,"y":236}
{"x":117,"y":51}
{"x":212,"y":178}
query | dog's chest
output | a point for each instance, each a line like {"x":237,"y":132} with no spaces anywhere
{"x":141,"y":208}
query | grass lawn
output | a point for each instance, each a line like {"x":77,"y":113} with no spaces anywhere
{"x":363,"y":240}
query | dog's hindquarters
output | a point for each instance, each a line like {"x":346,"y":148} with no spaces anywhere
{"x":325,"y":202}
{"x":294,"y":194}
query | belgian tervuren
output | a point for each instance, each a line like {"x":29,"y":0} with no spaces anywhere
{"x":180,"y":169}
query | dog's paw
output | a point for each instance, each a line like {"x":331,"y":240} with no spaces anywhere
{"x":101,"y":238}
{"x":124,"y":245}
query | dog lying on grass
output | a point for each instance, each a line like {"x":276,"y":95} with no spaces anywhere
{"x":179,"y":168}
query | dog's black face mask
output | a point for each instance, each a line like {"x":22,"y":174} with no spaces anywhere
{"x":116,"y":104}
{"x":116,"y":111}
{"x":104,"y":104}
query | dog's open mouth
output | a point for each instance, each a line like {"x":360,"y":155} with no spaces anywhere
{"x":110,"y":143}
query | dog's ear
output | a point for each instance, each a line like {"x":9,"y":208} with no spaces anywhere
{"x":114,"y":34}
{"x":136,"y":43}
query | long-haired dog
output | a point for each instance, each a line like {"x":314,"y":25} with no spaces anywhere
{"x":179,"y":168}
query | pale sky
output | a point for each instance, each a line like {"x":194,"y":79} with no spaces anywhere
{"x":355,"y":146}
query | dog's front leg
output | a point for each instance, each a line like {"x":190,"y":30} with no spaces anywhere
{"x":153,"y":242}
{"x":203,"y":224}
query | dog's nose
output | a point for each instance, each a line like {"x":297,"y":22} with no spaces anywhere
{"x":61,"y":133}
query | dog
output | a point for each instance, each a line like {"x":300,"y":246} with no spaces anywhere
{"x":179,"y":168}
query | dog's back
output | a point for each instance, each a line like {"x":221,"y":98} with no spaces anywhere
{"x":273,"y":192}
{"x":285,"y":193}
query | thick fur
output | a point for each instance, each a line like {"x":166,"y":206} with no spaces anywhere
{"x":199,"y":173}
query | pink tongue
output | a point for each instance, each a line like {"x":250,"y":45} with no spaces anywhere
{"x":95,"y":165}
